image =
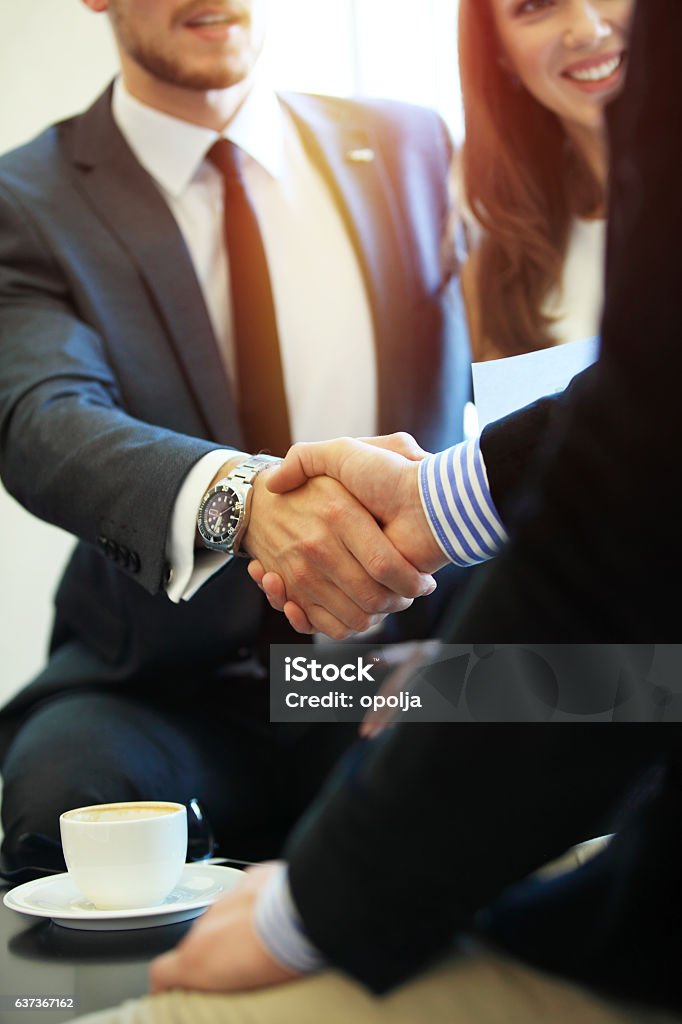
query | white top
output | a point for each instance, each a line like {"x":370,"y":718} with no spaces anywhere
{"x":578,"y":302}
{"x":323,"y":313}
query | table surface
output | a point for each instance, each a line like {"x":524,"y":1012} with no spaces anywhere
{"x":95,"y":969}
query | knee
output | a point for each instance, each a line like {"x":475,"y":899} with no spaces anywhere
{"x":56,"y":761}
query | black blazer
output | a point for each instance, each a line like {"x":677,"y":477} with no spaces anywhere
{"x":111,"y":386}
{"x":430,"y":824}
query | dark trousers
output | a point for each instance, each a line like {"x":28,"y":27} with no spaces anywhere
{"x":212,"y":742}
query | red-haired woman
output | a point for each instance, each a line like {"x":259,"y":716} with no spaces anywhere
{"x":536,"y":75}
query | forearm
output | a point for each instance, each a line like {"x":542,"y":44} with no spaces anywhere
{"x":71,"y":450}
{"x":99,"y":475}
{"x":423,"y":813}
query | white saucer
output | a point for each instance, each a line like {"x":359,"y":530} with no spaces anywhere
{"x":57,"y":897}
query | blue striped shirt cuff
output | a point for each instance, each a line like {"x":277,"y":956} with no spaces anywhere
{"x":459,"y":507}
{"x":280,"y":928}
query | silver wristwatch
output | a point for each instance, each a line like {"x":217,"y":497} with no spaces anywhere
{"x":224,"y":511}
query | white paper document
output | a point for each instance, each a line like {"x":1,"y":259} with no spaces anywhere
{"x":503,"y":385}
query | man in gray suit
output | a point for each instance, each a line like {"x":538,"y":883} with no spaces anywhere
{"x":126,"y":395}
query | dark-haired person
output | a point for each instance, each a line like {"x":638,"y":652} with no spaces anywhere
{"x":532,"y":171}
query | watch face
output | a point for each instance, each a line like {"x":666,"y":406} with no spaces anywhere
{"x":221,"y":516}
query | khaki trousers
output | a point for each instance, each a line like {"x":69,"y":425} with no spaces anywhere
{"x":476,"y":988}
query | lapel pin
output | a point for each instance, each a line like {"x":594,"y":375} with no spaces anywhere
{"x":360,"y":156}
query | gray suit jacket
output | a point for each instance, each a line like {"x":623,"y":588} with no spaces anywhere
{"x":111,"y":386}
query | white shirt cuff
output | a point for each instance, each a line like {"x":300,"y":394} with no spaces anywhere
{"x":280,"y":929}
{"x":458,"y":505}
{"x":192,"y":567}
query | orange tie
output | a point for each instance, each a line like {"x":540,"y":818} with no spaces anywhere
{"x":261,"y":395}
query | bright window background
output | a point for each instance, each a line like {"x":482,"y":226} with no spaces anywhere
{"x":370,"y":47}
{"x":55,"y":57}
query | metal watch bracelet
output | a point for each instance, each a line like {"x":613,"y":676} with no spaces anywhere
{"x":245,"y":473}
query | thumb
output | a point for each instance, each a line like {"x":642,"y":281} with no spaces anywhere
{"x":164,"y":972}
{"x":401,"y":443}
{"x":305,"y":460}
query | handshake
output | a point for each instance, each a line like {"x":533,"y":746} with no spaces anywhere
{"x":338,"y":536}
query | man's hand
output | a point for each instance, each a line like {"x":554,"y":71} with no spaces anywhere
{"x":383,"y":479}
{"x":334,"y":561}
{"x":406,"y":659}
{"x":222,"y":951}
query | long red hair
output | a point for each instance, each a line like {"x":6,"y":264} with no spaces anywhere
{"x":523,"y":183}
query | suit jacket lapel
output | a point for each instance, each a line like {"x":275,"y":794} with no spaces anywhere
{"x":127,"y":199}
{"x":364,"y":196}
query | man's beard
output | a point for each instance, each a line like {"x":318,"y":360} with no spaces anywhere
{"x":171,"y":71}
{"x":168,"y":68}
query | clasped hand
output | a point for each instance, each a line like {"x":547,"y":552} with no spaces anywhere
{"x":222,"y":952}
{"x":338,"y":536}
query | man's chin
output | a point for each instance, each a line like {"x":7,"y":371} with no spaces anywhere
{"x":198,"y":78}
{"x":205,"y":82}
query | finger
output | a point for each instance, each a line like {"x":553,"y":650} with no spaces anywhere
{"x":256,"y":571}
{"x":325,"y":622}
{"x":350,"y":593}
{"x":402,"y":443}
{"x":291,"y":472}
{"x":369,"y":730}
{"x":384,"y":563}
{"x":274,"y":588}
{"x":408,"y":658}
{"x":376,"y":720}
{"x":379,"y":718}
{"x":276,"y":606}
{"x":298,"y":619}
{"x":328,"y":574}
{"x":262,"y":869}
{"x":332,"y":605}
{"x":165,"y":972}
{"x":305,"y":460}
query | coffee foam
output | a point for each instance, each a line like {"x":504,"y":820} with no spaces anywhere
{"x":121,"y":813}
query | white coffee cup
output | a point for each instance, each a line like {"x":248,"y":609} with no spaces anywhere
{"x":125,"y":855}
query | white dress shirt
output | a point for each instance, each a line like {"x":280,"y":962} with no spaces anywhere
{"x":323,"y":313}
